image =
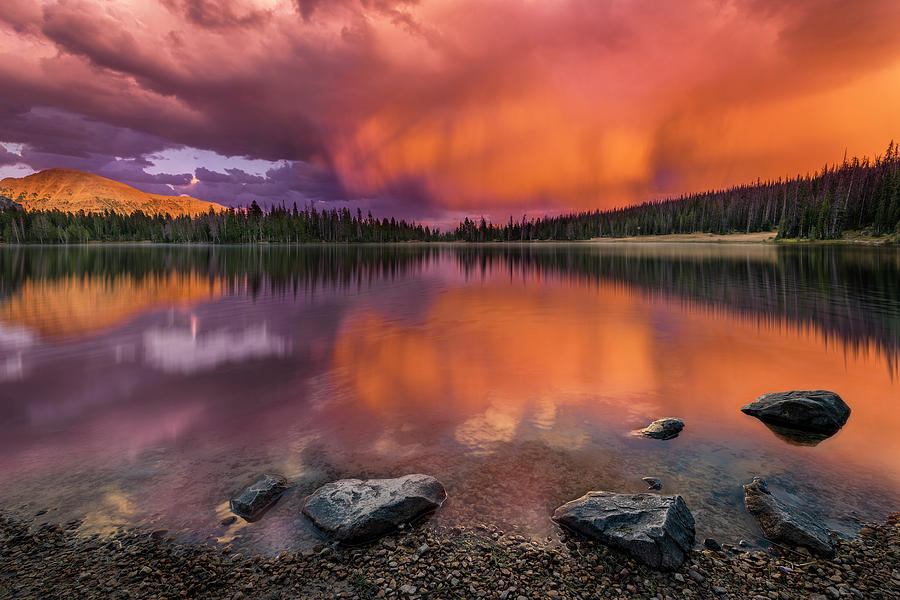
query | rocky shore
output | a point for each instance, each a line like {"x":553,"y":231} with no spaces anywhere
{"x":429,"y":562}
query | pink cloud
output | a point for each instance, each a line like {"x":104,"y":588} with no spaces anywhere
{"x":456,"y":105}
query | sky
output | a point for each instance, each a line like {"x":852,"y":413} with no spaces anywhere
{"x":439,"y":109}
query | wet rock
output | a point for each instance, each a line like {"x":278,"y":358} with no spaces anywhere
{"x":711,"y":544}
{"x":663,"y":429}
{"x":785,"y":524}
{"x":657,"y":530}
{"x":355,"y":511}
{"x":228,"y":521}
{"x":653,"y":483}
{"x":818,"y":411}
{"x":253,"y":501}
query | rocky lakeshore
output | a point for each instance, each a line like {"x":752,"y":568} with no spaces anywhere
{"x":430,"y":562}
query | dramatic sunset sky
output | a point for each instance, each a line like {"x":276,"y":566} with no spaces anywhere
{"x":436,"y":109}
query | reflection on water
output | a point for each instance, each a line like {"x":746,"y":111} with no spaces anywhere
{"x":145,"y":385}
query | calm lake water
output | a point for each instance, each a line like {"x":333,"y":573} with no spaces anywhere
{"x":145,"y":385}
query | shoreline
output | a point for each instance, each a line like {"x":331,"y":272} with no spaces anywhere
{"x":757,"y":238}
{"x":429,"y":562}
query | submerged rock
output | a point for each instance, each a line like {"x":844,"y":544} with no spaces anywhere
{"x":355,"y":511}
{"x":663,"y":429}
{"x":653,"y":483}
{"x":797,"y":437}
{"x":711,"y":544}
{"x":816,"y":411}
{"x":252,"y":502}
{"x":785,"y":524}
{"x":657,"y":530}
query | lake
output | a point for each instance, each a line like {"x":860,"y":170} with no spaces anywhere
{"x":145,"y":385}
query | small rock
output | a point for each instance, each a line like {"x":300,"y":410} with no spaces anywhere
{"x":253,"y":500}
{"x":653,"y":483}
{"x":711,"y":544}
{"x":663,"y":429}
{"x":408,"y":589}
{"x":228,"y":520}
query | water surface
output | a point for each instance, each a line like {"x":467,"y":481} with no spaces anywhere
{"x":145,"y":385}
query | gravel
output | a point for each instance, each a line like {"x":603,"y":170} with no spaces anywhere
{"x":429,"y":562}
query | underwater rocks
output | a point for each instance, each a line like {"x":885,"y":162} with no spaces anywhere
{"x":657,"y":530}
{"x":793,"y":414}
{"x":253,"y":500}
{"x":663,"y":429}
{"x":356,"y":511}
{"x":653,"y":483}
{"x":785,"y":524}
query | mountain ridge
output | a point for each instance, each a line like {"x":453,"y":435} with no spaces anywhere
{"x":70,"y":190}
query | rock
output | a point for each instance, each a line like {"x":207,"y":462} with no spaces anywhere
{"x":663,"y":429}
{"x":816,"y":412}
{"x":711,"y":544}
{"x":355,"y":511}
{"x":653,"y":483}
{"x":658,"y":530}
{"x":253,"y":501}
{"x":785,"y":524}
{"x":227,"y":521}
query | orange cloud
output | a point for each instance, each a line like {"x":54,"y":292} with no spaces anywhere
{"x":473,"y":106}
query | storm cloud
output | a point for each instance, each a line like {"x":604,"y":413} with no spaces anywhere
{"x":437,"y":108}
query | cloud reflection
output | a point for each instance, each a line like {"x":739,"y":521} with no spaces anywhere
{"x":183,"y":351}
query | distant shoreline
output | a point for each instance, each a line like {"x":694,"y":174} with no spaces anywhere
{"x":762,"y":237}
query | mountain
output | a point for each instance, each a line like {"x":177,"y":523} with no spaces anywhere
{"x":69,"y":190}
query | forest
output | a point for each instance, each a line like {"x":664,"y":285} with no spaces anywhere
{"x":855,"y":195}
{"x":236,"y":226}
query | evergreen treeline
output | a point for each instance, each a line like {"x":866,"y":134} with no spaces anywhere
{"x":278,"y":225}
{"x":855,"y":195}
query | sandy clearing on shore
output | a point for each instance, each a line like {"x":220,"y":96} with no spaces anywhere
{"x":731,"y":238}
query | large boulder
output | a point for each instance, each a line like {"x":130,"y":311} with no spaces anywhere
{"x":355,"y":511}
{"x":816,"y":411}
{"x":657,"y":530}
{"x":663,"y":429}
{"x":785,"y":524}
{"x":258,"y":496}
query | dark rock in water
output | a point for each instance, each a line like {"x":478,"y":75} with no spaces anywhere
{"x":653,"y":483}
{"x":711,"y":544}
{"x":227,"y":521}
{"x":657,"y":530}
{"x":785,"y":524}
{"x":355,"y":511}
{"x":817,"y":411}
{"x":252,"y":502}
{"x":663,"y":429}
